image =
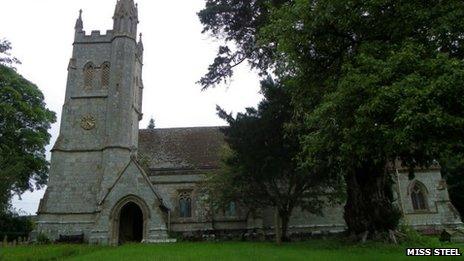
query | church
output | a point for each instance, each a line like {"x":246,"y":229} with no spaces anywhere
{"x":112,"y":182}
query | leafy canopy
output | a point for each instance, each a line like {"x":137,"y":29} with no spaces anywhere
{"x":5,"y":56}
{"x":24,"y":124}
{"x":372,"y":82}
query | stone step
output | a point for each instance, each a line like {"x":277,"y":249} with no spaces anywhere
{"x":159,"y":241}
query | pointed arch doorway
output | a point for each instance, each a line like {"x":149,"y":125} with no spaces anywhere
{"x":130,"y":224}
{"x":130,"y":217}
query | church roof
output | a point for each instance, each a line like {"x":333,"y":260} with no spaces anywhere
{"x":181,"y":148}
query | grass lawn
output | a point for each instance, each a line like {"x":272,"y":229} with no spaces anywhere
{"x":310,"y":250}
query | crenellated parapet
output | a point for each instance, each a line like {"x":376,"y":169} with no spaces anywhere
{"x":94,"y":37}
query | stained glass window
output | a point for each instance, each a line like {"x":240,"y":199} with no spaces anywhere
{"x":185,"y":205}
{"x":231,"y":210}
{"x":418,"y":197}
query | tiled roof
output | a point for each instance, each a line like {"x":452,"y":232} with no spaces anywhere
{"x":181,"y":148}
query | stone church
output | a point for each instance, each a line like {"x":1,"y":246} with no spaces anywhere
{"x":98,"y":188}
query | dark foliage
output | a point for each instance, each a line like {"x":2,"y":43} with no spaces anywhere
{"x":261,"y":169}
{"x":14,"y":226}
{"x":24,"y":124}
{"x":374,"y":82}
{"x":237,"y":22}
{"x":151,"y":124}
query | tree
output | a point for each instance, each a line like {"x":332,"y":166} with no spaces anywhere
{"x":380,"y":117}
{"x":374,"y":81}
{"x":261,"y":168}
{"x":237,"y":23}
{"x":5,"y":56}
{"x":24,"y":122}
{"x":14,"y":226}
{"x":151,"y":124}
{"x":387,"y":92}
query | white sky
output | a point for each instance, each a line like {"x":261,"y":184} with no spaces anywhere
{"x":176,"y":56}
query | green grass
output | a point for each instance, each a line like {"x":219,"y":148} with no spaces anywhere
{"x":45,"y":252}
{"x":310,"y":250}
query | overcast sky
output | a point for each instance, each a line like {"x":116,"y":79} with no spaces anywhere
{"x":176,"y":56}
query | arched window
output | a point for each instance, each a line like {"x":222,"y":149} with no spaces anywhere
{"x":185,"y":205}
{"x":418,"y":197}
{"x":89,"y":71}
{"x":231,"y":210}
{"x":105,"y":74}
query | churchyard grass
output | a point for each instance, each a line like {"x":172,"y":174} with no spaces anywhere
{"x":310,"y":250}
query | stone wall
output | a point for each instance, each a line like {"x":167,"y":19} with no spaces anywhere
{"x":54,"y":225}
{"x":170,"y":183}
{"x":440,"y":212}
{"x":73,"y":183}
{"x":130,"y":186}
{"x":98,"y":137}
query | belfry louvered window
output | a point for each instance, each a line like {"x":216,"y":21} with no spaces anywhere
{"x":105,"y":74}
{"x":89,"y":71}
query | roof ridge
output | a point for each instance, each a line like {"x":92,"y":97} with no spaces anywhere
{"x":184,"y":128}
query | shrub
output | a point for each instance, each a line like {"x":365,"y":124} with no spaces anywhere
{"x":412,"y":238}
{"x":177,"y":235}
{"x":43,"y":239}
{"x":14,"y":226}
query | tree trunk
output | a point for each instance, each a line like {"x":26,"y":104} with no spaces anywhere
{"x":284,"y":218}
{"x":277,"y":226}
{"x":369,"y":205}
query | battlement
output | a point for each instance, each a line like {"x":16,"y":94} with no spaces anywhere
{"x":94,"y":37}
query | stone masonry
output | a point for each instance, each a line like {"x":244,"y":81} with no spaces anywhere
{"x":96,"y":171}
{"x":93,"y":167}
{"x":179,"y":159}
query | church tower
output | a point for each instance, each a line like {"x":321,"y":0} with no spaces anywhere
{"x":94,"y":174}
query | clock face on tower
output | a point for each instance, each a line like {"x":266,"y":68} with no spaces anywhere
{"x":88,"y":122}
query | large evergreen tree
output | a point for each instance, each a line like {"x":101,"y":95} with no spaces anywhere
{"x":151,"y":124}
{"x":261,"y":168}
{"x":375,"y":81}
{"x":237,"y":23}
